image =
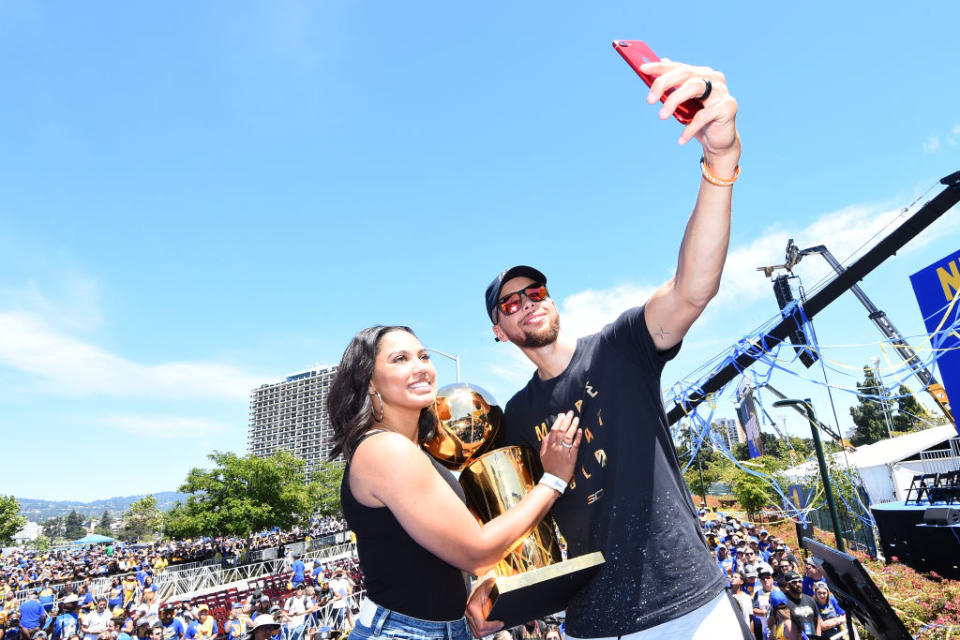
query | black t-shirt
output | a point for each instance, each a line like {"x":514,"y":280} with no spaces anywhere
{"x":628,"y":498}
{"x":804,"y":612}
{"x":399,"y":574}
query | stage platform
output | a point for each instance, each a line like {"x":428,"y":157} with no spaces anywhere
{"x":924,"y":547}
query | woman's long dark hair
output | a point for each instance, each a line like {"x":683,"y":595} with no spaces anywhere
{"x":348,"y":401}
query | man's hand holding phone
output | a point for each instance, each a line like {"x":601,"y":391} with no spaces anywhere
{"x":697,"y":96}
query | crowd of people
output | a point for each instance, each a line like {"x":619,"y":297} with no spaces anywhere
{"x":321,"y":601}
{"x":23,"y":569}
{"x":765,"y":580}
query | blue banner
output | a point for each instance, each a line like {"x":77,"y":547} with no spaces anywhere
{"x":936,"y":288}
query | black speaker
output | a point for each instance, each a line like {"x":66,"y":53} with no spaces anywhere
{"x":941,"y":515}
{"x":781,"y":289}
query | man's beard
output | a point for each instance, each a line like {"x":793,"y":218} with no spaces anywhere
{"x":545,"y":337}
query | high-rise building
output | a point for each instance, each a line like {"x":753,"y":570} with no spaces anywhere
{"x":730,"y":431}
{"x":292,"y":415}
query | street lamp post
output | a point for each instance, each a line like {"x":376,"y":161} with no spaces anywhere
{"x":454,"y":357}
{"x":876,"y":372}
{"x":824,"y":474}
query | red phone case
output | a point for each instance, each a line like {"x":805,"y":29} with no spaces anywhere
{"x":637,"y":53}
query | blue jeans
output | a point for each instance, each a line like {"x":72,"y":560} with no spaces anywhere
{"x":390,"y":625}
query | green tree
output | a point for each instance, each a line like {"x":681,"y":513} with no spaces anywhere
{"x":328,"y":476}
{"x":53,"y":527}
{"x":868,"y":416}
{"x":10,"y":519}
{"x":73,"y":527}
{"x":41,"y":544}
{"x":911,"y":415}
{"x":245,"y":494}
{"x":103,"y":527}
{"x":751,"y":492}
{"x":142,"y":520}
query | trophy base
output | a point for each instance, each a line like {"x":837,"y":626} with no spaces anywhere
{"x":540,"y":592}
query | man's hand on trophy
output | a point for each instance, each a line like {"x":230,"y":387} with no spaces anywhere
{"x":558,"y":451}
{"x":478,"y":604}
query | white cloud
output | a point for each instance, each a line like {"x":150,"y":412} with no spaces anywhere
{"x":164,"y":427}
{"x":931,"y":144}
{"x":586,"y":312}
{"x":847,"y":233}
{"x":60,"y":363}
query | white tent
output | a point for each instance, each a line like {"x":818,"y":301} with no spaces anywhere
{"x":887,"y":467}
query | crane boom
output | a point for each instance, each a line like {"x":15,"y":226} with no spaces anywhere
{"x":930,"y":384}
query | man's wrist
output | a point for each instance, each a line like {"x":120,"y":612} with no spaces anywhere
{"x":723,"y":164}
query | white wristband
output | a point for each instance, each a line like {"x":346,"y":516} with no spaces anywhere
{"x":552,"y":481}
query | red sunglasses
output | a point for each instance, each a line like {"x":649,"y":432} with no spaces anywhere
{"x":511,"y":303}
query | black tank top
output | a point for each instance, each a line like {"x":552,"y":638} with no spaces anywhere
{"x":398,"y":573}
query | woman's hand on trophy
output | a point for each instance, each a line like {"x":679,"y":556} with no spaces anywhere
{"x":558,"y":451}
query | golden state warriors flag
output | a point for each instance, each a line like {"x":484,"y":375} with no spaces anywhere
{"x":937,"y":287}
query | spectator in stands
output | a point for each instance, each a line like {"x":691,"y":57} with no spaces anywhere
{"x":172,"y":627}
{"x":263,"y":628}
{"x":761,"y":599}
{"x":46,"y":596}
{"x":12,"y":630}
{"x":143,"y":628}
{"x":724,"y":561}
{"x":552,"y":632}
{"x":742,"y":598}
{"x":749,"y":580}
{"x":298,"y":571}
{"x":341,"y":588}
{"x":803,"y":610}
{"x":812,"y":575}
{"x":747,"y":558}
{"x":95,"y":622}
{"x":205,"y":627}
{"x":785,"y":566}
{"x":124,"y":628}
{"x":32,"y":615}
{"x":779,"y":623}
{"x":296,"y":607}
{"x":263,"y":607}
{"x":115,"y":594}
{"x":237,"y":626}
{"x":156,"y":631}
{"x":832,"y":616}
{"x":131,"y":589}
{"x":67,"y":622}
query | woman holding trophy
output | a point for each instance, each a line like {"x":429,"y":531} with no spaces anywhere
{"x":415,"y":536}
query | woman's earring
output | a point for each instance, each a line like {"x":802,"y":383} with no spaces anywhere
{"x":377,"y":418}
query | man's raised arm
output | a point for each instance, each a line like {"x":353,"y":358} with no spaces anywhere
{"x":674,"y":307}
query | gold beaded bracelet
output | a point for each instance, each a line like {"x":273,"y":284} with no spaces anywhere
{"x":712,"y":179}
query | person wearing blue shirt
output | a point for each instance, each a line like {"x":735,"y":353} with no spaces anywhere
{"x":812,"y":575}
{"x":831,"y":614}
{"x":32,"y":615}
{"x":298,"y":569}
{"x":172,"y":627}
{"x":67,"y":623}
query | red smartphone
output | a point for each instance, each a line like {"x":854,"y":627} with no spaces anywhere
{"x":637,"y":53}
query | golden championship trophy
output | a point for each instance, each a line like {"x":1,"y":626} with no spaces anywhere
{"x":532,"y":580}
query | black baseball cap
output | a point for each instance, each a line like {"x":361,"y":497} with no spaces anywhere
{"x":791,"y":576}
{"x":519,"y":271}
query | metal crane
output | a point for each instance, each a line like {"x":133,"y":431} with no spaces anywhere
{"x":930,"y":384}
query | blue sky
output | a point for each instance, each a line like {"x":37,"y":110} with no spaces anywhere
{"x":199,"y":198}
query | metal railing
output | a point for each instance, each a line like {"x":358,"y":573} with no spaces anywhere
{"x":210,"y":577}
{"x":326,"y":617}
{"x":940,"y":460}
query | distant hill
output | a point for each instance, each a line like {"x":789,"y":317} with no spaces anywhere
{"x":41,"y":510}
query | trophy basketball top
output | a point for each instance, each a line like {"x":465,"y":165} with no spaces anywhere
{"x":468,"y":421}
